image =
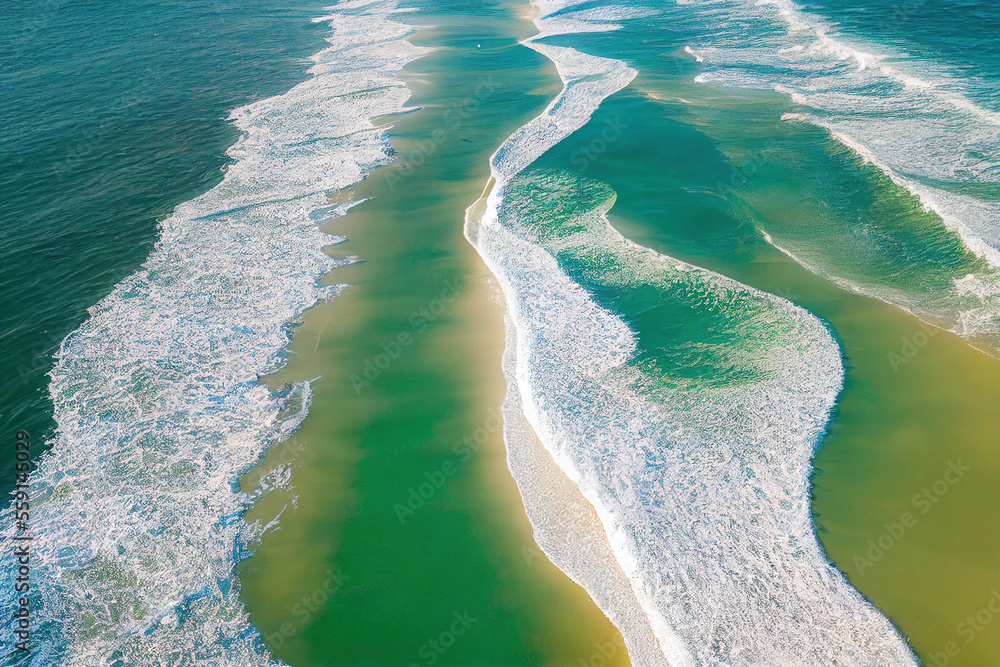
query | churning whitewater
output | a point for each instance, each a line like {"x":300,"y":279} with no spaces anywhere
{"x":693,"y":447}
{"x":136,"y":510}
{"x":684,"y":406}
{"x":928,"y":127}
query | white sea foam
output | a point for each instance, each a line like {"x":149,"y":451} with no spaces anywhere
{"x":553,"y":18}
{"x":702,"y":492}
{"x":911,"y":119}
{"x":701,"y":488}
{"x":690,"y":52}
{"x":913,"y":116}
{"x":965,"y":215}
{"x":136,"y":514}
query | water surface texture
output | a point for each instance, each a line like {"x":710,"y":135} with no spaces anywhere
{"x":572,"y":332}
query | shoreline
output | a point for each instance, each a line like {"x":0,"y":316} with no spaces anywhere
{"x":564,"y":523}
{"x":778,"y":287}
{"x":146,"y":569}
{"x":911,"y":401}
{"x":417,"y":525}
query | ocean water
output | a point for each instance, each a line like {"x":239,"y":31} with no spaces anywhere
{"x":359,"y":501}
{"x":654,"y":446}
{"x":103,"y":137}
{"x":857,"y":142}
{"x":663,"y":389}
{"x":929,"y":125}
{"x":707,"y":423}
{"x":921,"y":115}
{"x":136,"y":508}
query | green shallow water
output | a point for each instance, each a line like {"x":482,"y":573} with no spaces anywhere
{"x":917,"y":399}
{"x":917,"y":402}
{"x":363,"y":568}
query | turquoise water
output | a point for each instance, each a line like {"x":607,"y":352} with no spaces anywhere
{"x":112,"y":113}
{"x":934,"y":137}
{"x":859,"y":141}
{"x":752,"y":133}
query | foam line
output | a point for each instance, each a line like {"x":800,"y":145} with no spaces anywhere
{"x":136,"y":510}
{"x":700,"y":484}
{"x":911,"y":119}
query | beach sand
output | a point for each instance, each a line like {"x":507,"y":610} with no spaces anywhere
{"x":566,"y":525}
{"x":402,"y":538}
{"x":916,"y":398}
{"x":900,"y":427}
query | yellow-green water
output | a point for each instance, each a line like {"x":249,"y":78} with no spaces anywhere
{"x":918,"y":410}
{"x":404,"y":540}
